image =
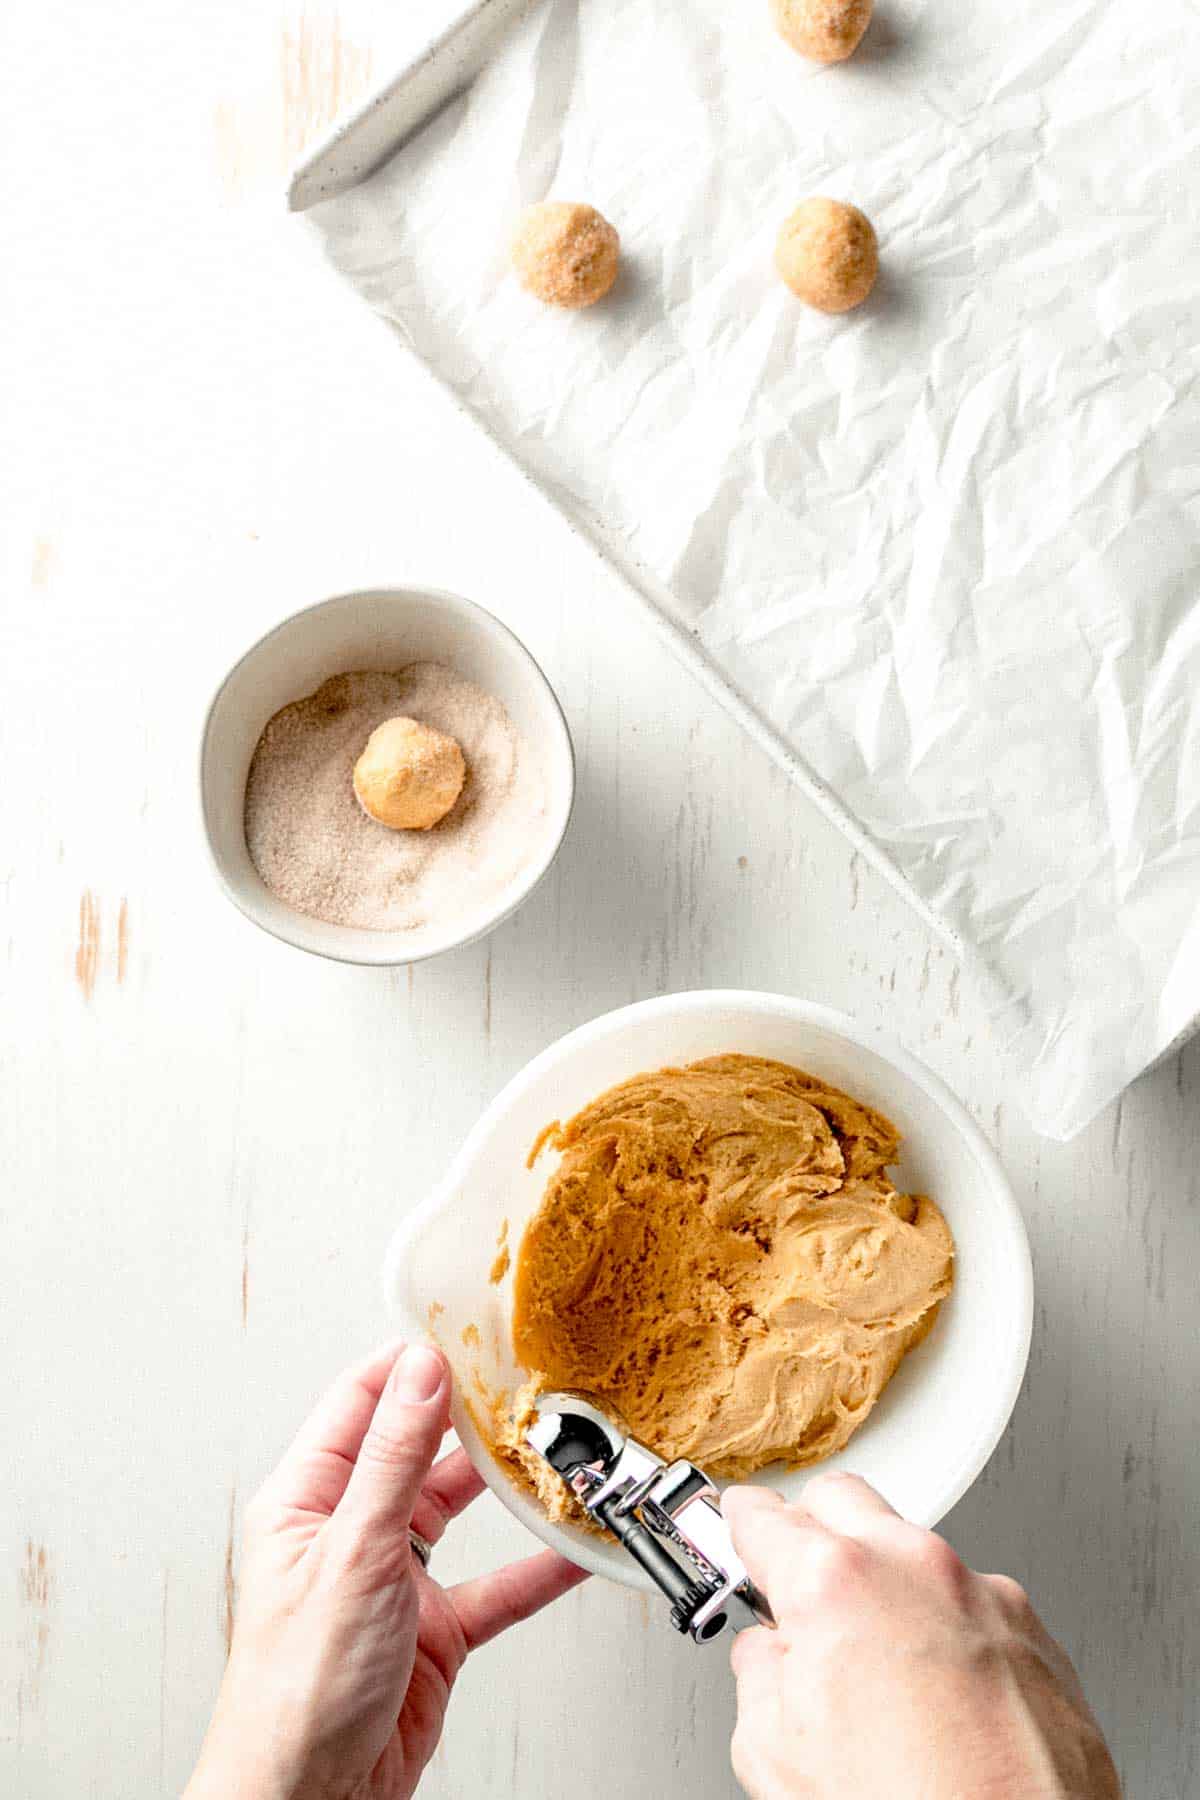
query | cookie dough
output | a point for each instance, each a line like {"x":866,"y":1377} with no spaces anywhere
{"x":409,"y":775}
{"x":828,"y":254}
{"x":827,"y":31}
{"x":565,"y":253}
{"x":721,"y":1257}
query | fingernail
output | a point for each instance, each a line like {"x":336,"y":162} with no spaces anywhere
{"x":418,"y":1374}
{"x":750,"y":1494}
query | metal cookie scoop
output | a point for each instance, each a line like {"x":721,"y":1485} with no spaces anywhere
{"x":667,"y":1516}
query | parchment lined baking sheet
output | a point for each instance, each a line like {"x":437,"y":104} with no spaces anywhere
{"x":942,"y":550}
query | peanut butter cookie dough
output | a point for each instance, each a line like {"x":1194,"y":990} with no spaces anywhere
{"x":826,"y":31}
{"x":721,"y":1257}
{"x":828,"y":254}
{"x":565,"y":253}
{"x":409,"y":775}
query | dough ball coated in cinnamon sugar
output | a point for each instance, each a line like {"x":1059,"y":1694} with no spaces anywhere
{"x":409,"y":775}
{"x":565,"y":253}
{"x":826,"y":31}
{"x":828,"y":254}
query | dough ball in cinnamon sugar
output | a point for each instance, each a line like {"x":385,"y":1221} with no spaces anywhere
{"x":565,"y":253}
{"x":409,"y":775}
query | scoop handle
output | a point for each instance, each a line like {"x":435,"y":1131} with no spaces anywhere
{"x":653,"y":1557}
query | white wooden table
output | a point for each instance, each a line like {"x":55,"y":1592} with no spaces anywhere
{"x":207,"y":1137}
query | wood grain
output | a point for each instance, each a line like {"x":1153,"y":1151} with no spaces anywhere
{"x":321,"y":68}
{"x":122,"y":941}
{"x":228,"y":1576}
{"x":321,"y":71}
{"x":35,"y":1598}
{"x":87,"y":950}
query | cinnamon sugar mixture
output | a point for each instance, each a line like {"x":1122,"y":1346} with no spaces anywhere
{"x":317,"y":849}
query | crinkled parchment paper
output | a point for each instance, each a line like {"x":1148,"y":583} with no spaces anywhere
{"x":946,"y":546}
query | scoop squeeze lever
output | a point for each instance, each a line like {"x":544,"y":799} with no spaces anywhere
{"x":666,"y":1515}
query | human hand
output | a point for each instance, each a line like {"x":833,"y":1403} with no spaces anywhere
{"x":895,"y":1669}
{"x":344,"y":1648}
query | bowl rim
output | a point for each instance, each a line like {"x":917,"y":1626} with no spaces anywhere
{"x":975,"y":1453}
{"x":390,"y":954}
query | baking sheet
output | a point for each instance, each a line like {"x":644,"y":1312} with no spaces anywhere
{"x":943,"y":549}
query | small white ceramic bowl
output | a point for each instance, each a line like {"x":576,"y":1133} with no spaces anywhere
{"x":379,"y":628}
{"x":942,"y":1414}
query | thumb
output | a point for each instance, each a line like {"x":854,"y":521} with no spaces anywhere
{"x":408,"y":1424}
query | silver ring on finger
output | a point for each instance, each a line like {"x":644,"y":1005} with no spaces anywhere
{"x":422,"y":1549}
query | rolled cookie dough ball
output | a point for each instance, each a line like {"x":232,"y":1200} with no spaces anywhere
{"x":409,"y":775}
{"x":828,"y":31}
{"x":828,"y":254}
{"x":565,"y":253}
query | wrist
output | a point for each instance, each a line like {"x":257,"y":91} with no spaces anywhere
{"x":220,"y":1775}
{"x":243,"y":1761}
{"x":220,"y":1778}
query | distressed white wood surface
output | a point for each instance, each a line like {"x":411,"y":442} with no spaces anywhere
{"x":207,"y":1137}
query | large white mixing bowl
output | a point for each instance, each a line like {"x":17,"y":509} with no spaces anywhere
{"x":943,"y":1413}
